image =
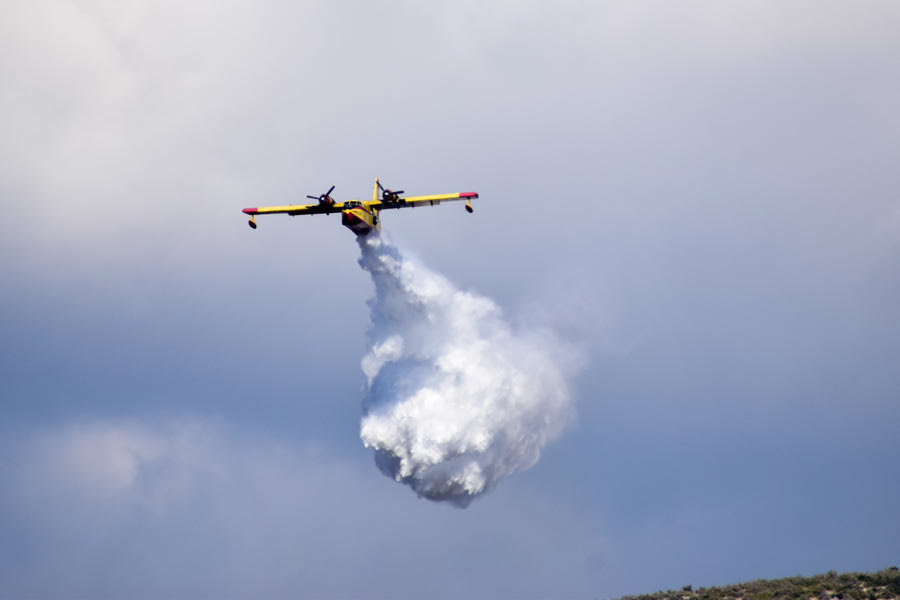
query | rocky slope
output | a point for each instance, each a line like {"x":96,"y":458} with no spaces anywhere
{"x":883,"y":585}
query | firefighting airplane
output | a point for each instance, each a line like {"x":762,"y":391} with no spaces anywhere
{"x":361,"y":217}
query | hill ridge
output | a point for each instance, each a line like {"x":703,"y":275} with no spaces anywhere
{"x":881,"y":585}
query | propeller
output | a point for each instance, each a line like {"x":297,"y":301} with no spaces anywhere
{"x":389,"y":195}
{"x":324,"y":198}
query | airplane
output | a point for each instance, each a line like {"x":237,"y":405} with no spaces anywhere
{"x":360,"y":217}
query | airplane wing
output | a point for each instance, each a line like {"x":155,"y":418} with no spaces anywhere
{"x":414,"y":201}
{"x":297,"y":209}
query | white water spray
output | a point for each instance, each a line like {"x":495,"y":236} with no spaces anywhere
{"x":455,"y":399}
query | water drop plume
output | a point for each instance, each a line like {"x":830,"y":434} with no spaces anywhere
{"x":456,"y":399}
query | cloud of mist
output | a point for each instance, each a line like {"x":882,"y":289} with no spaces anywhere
{"x":456,"y":398}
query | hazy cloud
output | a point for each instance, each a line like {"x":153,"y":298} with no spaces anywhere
{"x":703,"y":196}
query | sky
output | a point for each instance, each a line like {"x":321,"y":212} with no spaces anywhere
{"x":700,"y":198}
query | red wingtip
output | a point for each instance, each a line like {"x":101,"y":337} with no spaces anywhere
{"x":469,"y":195}
{"x":251,"y":211}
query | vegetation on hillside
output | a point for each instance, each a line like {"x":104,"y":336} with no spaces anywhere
{"x":883,"y":585}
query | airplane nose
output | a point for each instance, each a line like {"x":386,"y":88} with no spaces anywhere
{"x":350,"y":218}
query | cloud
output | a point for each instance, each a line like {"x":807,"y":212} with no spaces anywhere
{"x":144,"y":499}
{"x":124,"y":463}
{"x":718,"y":179}
{"x":188,"y":506}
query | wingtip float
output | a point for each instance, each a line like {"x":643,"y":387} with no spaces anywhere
{"x":360,"y":216}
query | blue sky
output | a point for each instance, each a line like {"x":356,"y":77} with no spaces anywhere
{"x":701,"y":197}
